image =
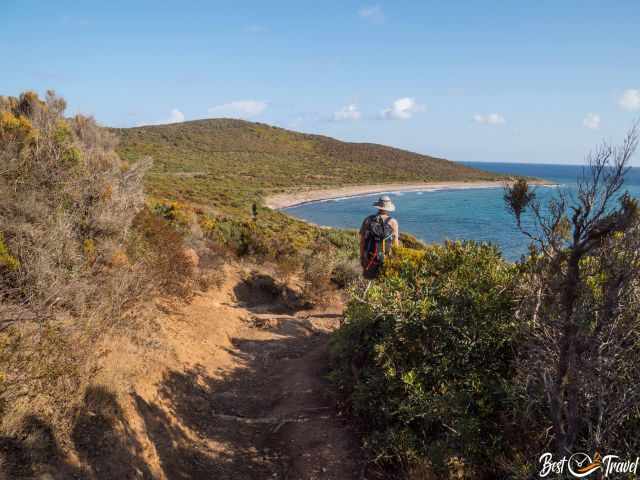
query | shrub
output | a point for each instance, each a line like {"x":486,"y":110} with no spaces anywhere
{"x":177,"y":214}
{"x":578,"y":381}
{"x":66,"y":213}
{"x":7,"y":260}
{"x":409,"y":241}
{"x":240,"y":236}
{"x":345,"y":272}
{"x":288,"y":260}
{"x":75,"y":201}
{"x":317,"y":272}
{"x":345,"y":241}
{"x":425,"y":356}
{"x":160,"y":247}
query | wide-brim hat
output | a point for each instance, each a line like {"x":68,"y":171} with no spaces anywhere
{"x":385,"y":203}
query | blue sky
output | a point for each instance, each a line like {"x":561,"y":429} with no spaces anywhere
{"x":522,"y":81}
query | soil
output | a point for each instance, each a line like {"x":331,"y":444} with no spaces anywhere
{"x":231,"y":386}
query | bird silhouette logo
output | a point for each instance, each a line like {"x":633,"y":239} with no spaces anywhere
{"x":580,"y":464}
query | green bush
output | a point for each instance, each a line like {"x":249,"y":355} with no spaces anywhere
{"x":346,"y":241}
{"x":324,"y":257}
{"x":242,"y":237}
{"x":424,"y":357}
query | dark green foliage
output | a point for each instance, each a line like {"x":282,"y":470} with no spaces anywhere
{"x":425,"y":357}
{"x":238,"y":235}
{"x":518,"y":197}
{"x":344,"y":240}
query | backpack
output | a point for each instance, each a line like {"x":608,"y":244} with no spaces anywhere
{"x":378,"y":240}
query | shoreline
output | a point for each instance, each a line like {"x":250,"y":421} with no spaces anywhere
{"x":282,"y":201}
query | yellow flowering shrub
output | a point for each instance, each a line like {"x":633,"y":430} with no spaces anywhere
{"x":7,"y":260}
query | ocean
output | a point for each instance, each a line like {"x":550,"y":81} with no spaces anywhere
{"x":457,"y":214}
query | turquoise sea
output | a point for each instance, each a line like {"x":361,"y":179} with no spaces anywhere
{"x":473,"y":213}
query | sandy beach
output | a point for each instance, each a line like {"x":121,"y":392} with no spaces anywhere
{"x":285,"y":200}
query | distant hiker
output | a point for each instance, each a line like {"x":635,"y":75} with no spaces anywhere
{"x":378,"y":234}
{"x":254,"y":211}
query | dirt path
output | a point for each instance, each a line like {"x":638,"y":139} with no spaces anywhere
{"x":276,"y":415}
{"x":237,"y":390}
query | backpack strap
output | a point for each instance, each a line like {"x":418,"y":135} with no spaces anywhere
{"x":386,"y":222}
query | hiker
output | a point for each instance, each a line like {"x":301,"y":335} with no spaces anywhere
{"x":378,"y":234}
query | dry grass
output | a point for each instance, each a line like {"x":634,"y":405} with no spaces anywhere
{"x":318,"y":271}
{"x":77,"y":251}
{"x":161,"y":249}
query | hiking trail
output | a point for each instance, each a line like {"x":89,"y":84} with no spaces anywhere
{"x":233,"y":387}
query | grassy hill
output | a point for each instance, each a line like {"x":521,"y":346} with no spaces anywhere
{"x":229,"y":164}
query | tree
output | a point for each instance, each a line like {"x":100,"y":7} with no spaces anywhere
{"x":581,"y":304}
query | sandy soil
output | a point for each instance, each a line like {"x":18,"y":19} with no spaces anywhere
{"x":291,"y":199}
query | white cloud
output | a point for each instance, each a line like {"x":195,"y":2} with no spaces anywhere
{"x":402,"y":109}
{"x":630,"y":100}
{"x":239,"y":109}
{"x":373,"y":13}
{"x":349,"y":112}
{"x":592,"y":121}
{"x":489,"y":119}
{"x":176,"y":116}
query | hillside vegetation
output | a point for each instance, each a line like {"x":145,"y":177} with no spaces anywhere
{"x":85,"y":251}
{"x":212,"y":172}
{"x":229,"y":164}
{"x":456,"y":362}
{"x":444,"y":361}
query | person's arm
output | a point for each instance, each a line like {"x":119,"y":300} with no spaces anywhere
{"x":396,"y":232}
{"x":363,"y":228}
